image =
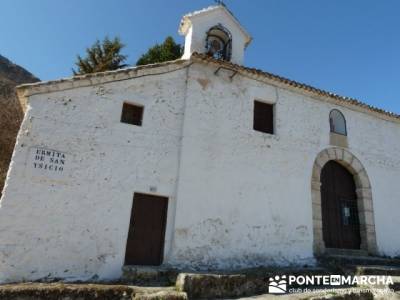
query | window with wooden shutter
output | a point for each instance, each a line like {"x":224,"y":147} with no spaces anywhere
{"x":263,"y":117}
{"x":132,"y":114}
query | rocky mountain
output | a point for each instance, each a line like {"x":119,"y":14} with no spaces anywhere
{"x":11,"y":113}
{"x":14,"y":73}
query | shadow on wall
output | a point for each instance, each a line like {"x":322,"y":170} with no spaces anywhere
{"x":11,"y":113}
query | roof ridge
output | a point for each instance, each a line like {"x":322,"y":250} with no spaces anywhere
{"x":298,"y":84}
{"x":131,"y":72}
{"x":100,"y":74}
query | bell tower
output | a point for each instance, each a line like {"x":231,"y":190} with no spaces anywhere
{"x":214,"y":31}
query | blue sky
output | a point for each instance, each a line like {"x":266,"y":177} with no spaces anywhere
{"x":348,"y":47}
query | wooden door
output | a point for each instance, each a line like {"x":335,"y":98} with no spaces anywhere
{"x":146,"y":235}
{"x":340,"y":222}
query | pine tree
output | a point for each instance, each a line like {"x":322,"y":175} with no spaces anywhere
{"x":169,"y":50}
{"x":104,"y":56}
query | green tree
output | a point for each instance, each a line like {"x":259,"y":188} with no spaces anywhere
{"x":101,"y":56}
{"x":169,"y":50}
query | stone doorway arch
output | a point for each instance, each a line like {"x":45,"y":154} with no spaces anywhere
{"x":364,"y":198}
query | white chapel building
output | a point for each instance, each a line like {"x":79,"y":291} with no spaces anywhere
{"x":197,"y":163}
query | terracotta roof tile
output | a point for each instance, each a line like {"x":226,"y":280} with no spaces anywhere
{"x":296,"y":84}
{"x":110,"y":76}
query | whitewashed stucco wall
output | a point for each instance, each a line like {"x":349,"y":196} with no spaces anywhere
{"x":237,"y":197}
{"x":253,"y":189}
{"x":75,"y":224}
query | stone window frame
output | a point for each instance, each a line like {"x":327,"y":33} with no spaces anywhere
{"x":364,"y":198}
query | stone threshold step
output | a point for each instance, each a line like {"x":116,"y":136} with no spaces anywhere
{"x":346,"y":252}
{"x":377,"y":270}
{"x":357,"y":260}
{"x":149,"y":275}
{"x":86,"y":291}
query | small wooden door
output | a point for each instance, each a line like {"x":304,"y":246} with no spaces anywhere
{"x":145,"y":243}
{"x":340,"y":222}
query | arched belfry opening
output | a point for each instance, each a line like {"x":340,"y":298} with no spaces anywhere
{"x":342,"y":207}
{"x":219,"y":43}
{"x":214,"y":31}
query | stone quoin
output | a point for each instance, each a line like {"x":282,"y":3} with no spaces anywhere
{"x":196,"y":163}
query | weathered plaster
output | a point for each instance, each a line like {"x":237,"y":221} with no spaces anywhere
{"x":238,"y":197}
{"x":74,"y":224}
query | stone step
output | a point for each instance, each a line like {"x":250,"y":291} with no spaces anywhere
{"x":330,"y":261}
{"x":247,"y":282}
{"x":377,"y":270}
{"x":346,"y":252}
{"x":149,"y":275}
{"x":86,"y":291}
{"x":164,"y":295}
{"x":240,"y":283}
{"x":217,"y":286}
